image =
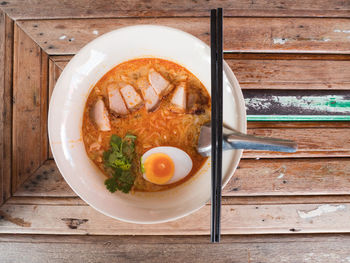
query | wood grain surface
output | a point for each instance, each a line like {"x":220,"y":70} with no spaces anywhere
{"x":280,"y":35}
{"x":6,"y":46}
{"x":41,"y":9}
{"x":316,"y":142}
{"x":2,"y":101}
{"x":29,"y":108}
{"x":277,"y":73}
{"x":323,"y":248}
{"x":236,"y":219}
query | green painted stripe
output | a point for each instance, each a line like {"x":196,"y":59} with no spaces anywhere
{"x":298,"y":118}
{"x":269,"y":104}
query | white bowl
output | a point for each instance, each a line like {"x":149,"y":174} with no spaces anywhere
{"x":66,"y":112}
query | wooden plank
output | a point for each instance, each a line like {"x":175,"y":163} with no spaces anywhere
{"x":318,"y":142}
{"x":53,"y":74}
{"x":291,"y":105}
{"x":279,"y":73}
{"x":290,"y":102}
{"x":290,"y":177}
{"x":236,"y":219}
{"x":292,"y":74}
{"x":323,"y":248}
{"x":6,"y":42}
{"x":155,"y":8}
{"x":29,"y":108}
{"x":294,"y":105}
{"x":2,"y":105}
{"x":281,"y":35}
{"x":328,"y":176}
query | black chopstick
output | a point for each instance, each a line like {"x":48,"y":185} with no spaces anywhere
{"x":217,"y":119}
{"x":219,"y":113}
{"x":213,"y":222}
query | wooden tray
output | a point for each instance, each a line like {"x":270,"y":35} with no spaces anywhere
{"x":293,"y":64}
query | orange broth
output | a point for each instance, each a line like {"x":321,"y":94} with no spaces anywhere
{"x":162,"y":127}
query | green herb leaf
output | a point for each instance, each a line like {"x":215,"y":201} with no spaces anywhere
{"x":111,"y":184}
{"x":122,"y":164}
{"x":115,"y":142}
{"x":130,"y":136}
{"x":118,"y":159}
{"x":106,"y":155}
{"x":128,"y":150}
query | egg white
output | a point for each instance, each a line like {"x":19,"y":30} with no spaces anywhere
{"x":182,"y":161}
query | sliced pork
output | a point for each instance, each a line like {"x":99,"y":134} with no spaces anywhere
{"x":150,"y":97}
{"x":116,"y":102}
{"x":99,"y":115}
{"x":178,"y":98}
{"x":160,"y":85}
{"x":131,"y":97}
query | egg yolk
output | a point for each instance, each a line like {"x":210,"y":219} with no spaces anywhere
{"x":159,"y":168}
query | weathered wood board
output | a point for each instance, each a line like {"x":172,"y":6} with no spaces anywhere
{"x":236,"y":219}
{"x":6,"y":55}
{"x":262,"y":35}
{"x":235,"y":248}
{"x":29,"y":108}
{"x":39,"y":9}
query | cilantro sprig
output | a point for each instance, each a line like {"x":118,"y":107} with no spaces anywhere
{"x":118,"y":159}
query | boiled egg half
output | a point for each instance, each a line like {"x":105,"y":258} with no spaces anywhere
{"x":165,"y":165}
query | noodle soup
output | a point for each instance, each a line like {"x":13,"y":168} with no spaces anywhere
{"x":137,"y":107}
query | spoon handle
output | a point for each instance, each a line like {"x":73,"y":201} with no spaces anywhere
{"x":237,"y":140}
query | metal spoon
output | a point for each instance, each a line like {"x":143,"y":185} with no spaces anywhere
{"x":233,"y":139}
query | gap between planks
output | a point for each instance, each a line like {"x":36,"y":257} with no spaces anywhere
{"x":226,"y":200}
{"x":199,"y":239}
{"x":248,"y":56}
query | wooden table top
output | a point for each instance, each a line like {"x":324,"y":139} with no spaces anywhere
{"x":292,"y":59}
